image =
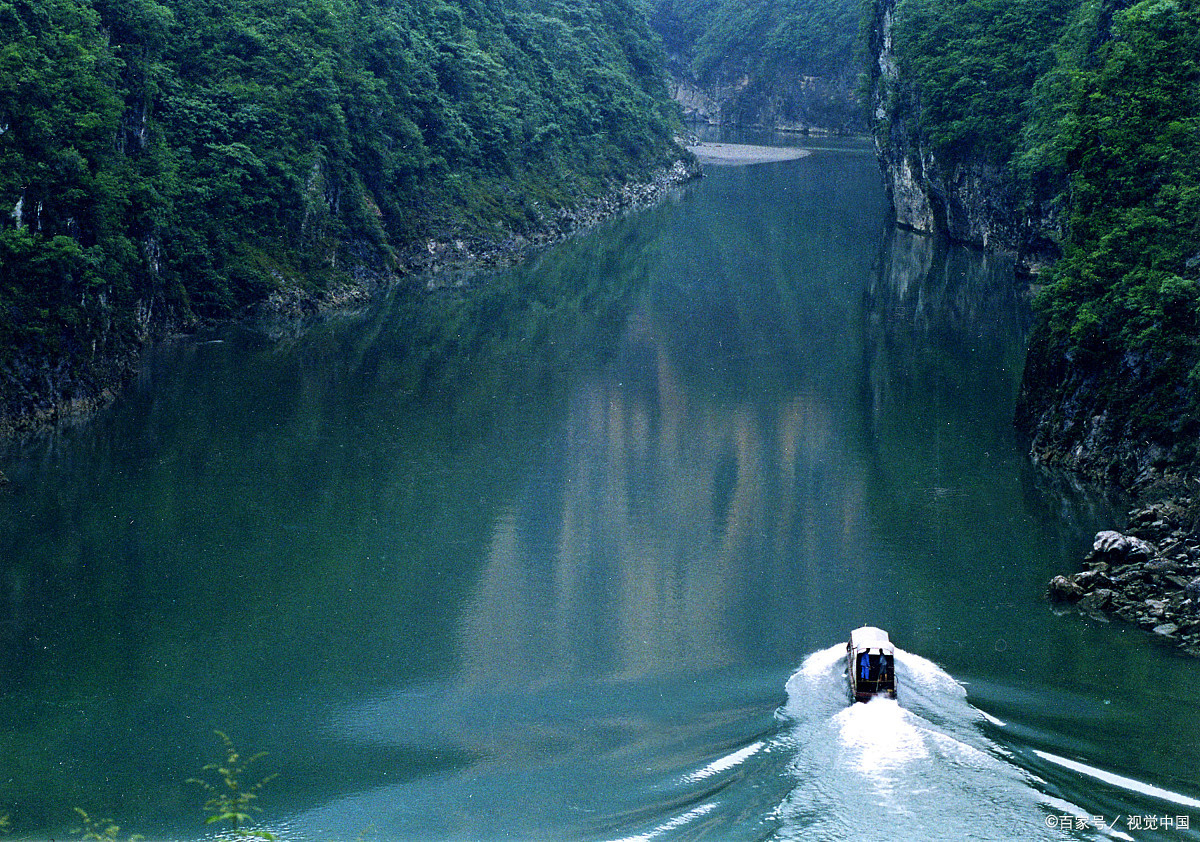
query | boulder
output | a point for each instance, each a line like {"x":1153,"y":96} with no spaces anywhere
{"x":1100,"y":599}
{"x":1192,"y":589}
{"x":1118,"y":547}
{"x":1089,"y":579}
{"x":1062,"y":589}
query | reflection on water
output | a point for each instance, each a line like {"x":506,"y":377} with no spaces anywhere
{"x":631,"y":552}
{"x":538,"y":556}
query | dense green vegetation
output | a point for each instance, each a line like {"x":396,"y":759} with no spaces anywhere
{"x":734,"y":37}
{"x":1125,"y":295}
{"x":1131,"y":149}
{"x":971,"y":65}
{"x":177,"y":160}
{"x":1092,"y":107}
{"x":768,"y":49}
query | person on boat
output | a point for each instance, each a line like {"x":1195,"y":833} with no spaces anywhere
{"x":865,"y":666}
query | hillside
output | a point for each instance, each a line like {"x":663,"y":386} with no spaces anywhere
{"x":164,"y":164}
{"x":787,"y":64}
{"x":1069,"y":134}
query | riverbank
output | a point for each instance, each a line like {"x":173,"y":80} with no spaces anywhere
{"x":37,"y":396}
{"x":434,"y":255}
{"x":741,"y":154}
{"x":1148,"y":575}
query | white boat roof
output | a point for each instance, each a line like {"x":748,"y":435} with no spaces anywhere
{"x":869,"y":637}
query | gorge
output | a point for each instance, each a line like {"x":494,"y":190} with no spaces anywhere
{"x":1057,"y":132}
{"x":1066,"y":135}
{"x":567,"y":546}
{"x":569,"y":550}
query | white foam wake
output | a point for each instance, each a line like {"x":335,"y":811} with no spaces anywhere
{"x":1121,"y":781}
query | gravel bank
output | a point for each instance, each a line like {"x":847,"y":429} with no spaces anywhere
{"x":739,"y":154}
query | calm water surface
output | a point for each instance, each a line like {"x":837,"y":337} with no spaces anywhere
{"x":570,"y":552}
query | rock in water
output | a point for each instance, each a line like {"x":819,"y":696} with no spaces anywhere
{"x":1063,"y":589}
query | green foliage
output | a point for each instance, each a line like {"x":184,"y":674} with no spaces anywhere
{"x":104,"y":830}
{"x":1128,"y":280}
{"x":184,"y":158}
{"x":728,"y":38}
{"x":970,"y":66}
{"x":230,"y":799}
{"x":758,"y":46}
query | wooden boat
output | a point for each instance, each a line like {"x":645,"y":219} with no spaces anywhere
{"x":871,"y":664}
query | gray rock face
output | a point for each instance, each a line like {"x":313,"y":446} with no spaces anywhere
{"x":1082,"y":412}
{"x":803,"y":104}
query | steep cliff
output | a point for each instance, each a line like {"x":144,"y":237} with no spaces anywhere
{"x":1112,"y":386}
{"x":959,"y":191}
{"x":789,"y":65}
{"x":1067,"y":133}
{"x":792,"y":103}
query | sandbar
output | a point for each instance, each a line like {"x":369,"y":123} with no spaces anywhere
{"x":735,"y":154}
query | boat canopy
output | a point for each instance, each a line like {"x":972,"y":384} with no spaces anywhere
{"x":871,"y":664}
{"x":869,"y":637}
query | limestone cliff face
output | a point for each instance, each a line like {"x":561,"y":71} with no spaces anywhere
{"x":806,"y":104}
{"x":968,"y":201}
{"x":1118,"y":418}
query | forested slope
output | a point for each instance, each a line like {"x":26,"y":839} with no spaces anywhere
{"x":788,"y":63}
{"x":168,"y":162}
{"x":1068,"y":132}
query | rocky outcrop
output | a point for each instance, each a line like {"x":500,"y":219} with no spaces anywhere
{"x":699,"y":104}
{"x":38,"y":393}
{"x":969,"y":201}
{"x":1149,"y":577}
{"x":1102,"y":417}
{"x":801,"y":104}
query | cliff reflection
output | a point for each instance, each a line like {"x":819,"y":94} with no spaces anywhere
{"x":703,"y":501}
{"x":668,"y":512}
{"x":945,"y":330}
{"x":940,"y":314}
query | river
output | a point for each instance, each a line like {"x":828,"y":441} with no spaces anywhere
{"x":570,"y":552}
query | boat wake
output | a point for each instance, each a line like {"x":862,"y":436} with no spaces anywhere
{"x":917,"y":768}
{"x":927,"y":767}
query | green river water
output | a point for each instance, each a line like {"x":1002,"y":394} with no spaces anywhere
{"x":570,"y":552}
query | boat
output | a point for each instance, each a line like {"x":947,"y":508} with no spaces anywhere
{"x":871,"y":664}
